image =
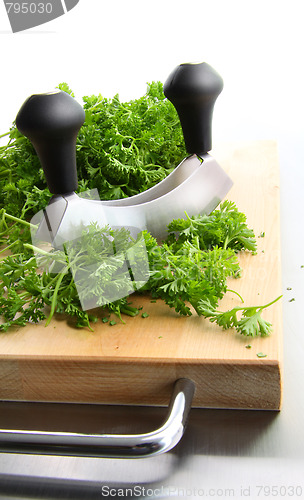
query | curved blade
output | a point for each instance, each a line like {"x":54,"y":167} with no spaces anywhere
{"x":196,"y":186}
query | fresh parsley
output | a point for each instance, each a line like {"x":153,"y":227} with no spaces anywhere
{"x":184,"y":271}
{"x":250,"y":324}
{"x":123,"y":148}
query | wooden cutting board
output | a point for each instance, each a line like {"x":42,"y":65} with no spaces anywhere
{"x":138,"y":362}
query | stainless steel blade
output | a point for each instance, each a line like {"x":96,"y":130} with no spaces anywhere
{"x":196,"y":186}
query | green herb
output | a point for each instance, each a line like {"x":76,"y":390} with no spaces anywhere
{"x":122,"y":149}
{"x":112,"y":322}
{"x":261,"y":355}
{"x":225,"y":227}
{"x":248,"y":346}
{"x":125,"y":148}
{"x":145,"y":315}
{"x":250,"y":324}
{"x":292,"y":300}
{"x":93,"y":319}
{"x":288,"y":288}
{"x":130,"y":311}
{"x":184,"y":271}
{"x":262,"y":235}
{"x":30,"y":296}
{"x":188,"y":273}
{"x":192,"y":266}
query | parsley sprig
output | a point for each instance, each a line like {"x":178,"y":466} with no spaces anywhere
{"x":250,"y":324}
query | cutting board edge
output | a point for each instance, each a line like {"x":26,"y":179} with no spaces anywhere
{"x":131,"y":360}
{"x":221,"y":385}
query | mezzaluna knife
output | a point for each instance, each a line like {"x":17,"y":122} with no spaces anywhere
{"x":52,"y":121}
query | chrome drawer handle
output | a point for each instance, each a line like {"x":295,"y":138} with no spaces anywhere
{"x":108,"y":445}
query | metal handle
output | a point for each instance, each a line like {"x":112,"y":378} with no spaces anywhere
{"x":108,"y":445}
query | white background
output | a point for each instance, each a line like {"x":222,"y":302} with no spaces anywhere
{"x":118,"y":45}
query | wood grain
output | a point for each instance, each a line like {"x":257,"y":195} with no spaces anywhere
{"x":138,"y":362}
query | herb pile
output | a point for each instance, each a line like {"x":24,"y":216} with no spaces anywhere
{"x":193,"y":264}
{"x":190,"y":268}
{"x":122,"y":149}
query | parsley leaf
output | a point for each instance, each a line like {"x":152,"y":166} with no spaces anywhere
{"x":250,"y":324}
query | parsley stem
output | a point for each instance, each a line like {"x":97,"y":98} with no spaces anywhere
{"x":50,"y":255}
{"x":272,"y":302}
{"x":4,"y":173}
{"x":53,"y":280}
{"x":226,"y":242}
{"x":9,"y":246}
{"x":24,"y":222}
{"x":5,"y":233}
{"x":257,"y":308}
{"x":4,"y":135}
{"x":233,"y":291}
{"x":38,"y":250}
{"x":54,"y":298}
{"x":260,"y":308}
{"x":130,"y":311}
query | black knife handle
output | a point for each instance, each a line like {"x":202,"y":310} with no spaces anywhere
{"x":52,"y":121}
{"x":193,"y":90}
